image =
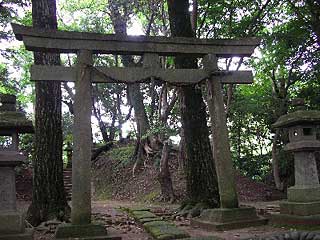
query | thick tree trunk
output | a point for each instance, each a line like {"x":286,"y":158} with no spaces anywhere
{"x":201,"y":177}
{"x":48,"y":197}
{"x":164,"y":176}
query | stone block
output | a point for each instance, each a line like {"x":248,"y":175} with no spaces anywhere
{"x":294,"y":220}
{"x":8,"y":98}
{"x":7,"y":107}
{"x":27,"y":235}
{"x":299,"y":208}
{"x":303,"y":194}
{"x":224,"y":219}
{"x":223,"y":215}
{"x":162,"y":230}
{"x":11,"y":222}
{"x":143,"y":214}
{"x":217,"y":226}
{"x":86,"y":231}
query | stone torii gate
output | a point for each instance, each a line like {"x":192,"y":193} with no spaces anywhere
{"x":84,"y":73}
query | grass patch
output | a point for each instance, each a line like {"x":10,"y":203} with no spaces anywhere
{"x":103,"y":194}
{"x":121,"y":154}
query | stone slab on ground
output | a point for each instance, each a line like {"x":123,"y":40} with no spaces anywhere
{"x":83,"y":232}
{"x":293,"y":235}
{"x":300,"y":208}
{"x":159,"y":229}
{"x":143,"y":215}
{"x":294,"y":220}
{"x":11,"y":222}
{"x":224,"y":215}
{"x":217,"y":226}
{"x":203,"y":238}
{"x":27,"y":235}
{"x":303,"y":194}
{"x":162,"y":230}
{"x":221,"y":219}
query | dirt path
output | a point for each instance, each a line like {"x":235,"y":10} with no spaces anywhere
{"x":109,"y":213}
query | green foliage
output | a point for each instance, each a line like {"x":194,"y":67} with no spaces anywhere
{"x":121,"y":154}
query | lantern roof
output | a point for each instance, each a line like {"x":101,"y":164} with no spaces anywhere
{"x":12,"y":120}
{"x":297,"y":118}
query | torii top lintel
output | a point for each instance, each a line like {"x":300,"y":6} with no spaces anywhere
{"x":45,"y":40}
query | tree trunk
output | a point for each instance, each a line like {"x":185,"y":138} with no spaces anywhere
{"x":164,"y":176}
{"x":275,"y":162}
{"x":48,"y":196}
{"x":135,"y":96}
{"x":200,"y":170}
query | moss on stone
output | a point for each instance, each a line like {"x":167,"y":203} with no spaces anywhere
{"x":15,"y":120}
{"x":297,"y":117}
{"x":143,"y":214}
{"x":145,"y":220}
{"x":164,"y":230}
{"x":203,"y":238}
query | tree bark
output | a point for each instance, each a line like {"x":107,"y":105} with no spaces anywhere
{"x":164,"y":176}
{"x":201,"y":177}
{"x":48,"y":196}
{"x":275,"y":162}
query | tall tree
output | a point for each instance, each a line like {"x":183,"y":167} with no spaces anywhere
{"x":202,"y":184}
{"x":48,"y":196}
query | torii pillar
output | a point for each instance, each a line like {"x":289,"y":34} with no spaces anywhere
{"x":229,"y":215}
{"x":81,"y":225}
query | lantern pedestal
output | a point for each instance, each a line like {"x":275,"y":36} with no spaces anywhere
{"x":12,"y":222}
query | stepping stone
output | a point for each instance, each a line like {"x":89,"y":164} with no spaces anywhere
{"x":143,"y":215}
{"x":162,"y":230}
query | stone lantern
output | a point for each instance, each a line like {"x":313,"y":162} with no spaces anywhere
{"x":303,"y":204}
{"x":12,"y":222}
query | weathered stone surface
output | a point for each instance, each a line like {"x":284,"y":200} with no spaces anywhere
{"x":305,"y":170}
{"x":143,"y":215}
{"x":224,"y":215}
{"x":162,"y":230}
{"x":145,"y":220}
{"x":217,"y":226}
{"x":295,"y":220}
{"x":137,"y":74}
{"x":15,"y":120}
{"x":10,"y":159}
{"x":27,"y":235}
{"x":294,"y":235}
{"x":303,"y":194}
{"x":8,"y":98}
{"x":81,"y":158}
{"x":298,"y":117}
{"x":221,"y":145}
{"x":7,"y":107}
{"x":225,"y":219}
{"x":7,"y":193}
{"x":80,"y":231}
{"x":300,"y":208}
{"x":67,"y":42}
{"x":11,"y":222}
{"x":203,"y":238}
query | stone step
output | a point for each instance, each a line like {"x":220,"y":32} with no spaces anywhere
{"x":67,"y":178}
